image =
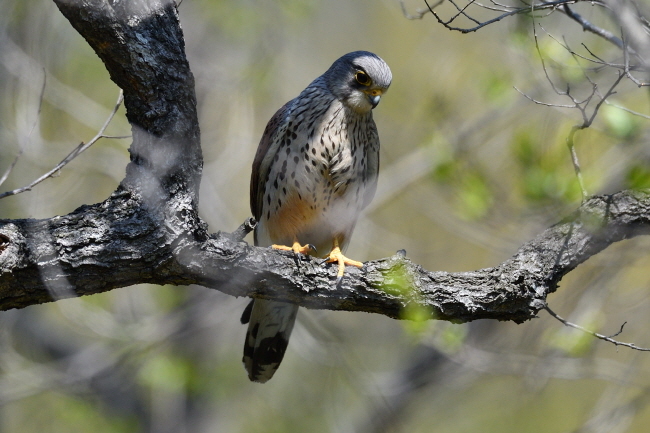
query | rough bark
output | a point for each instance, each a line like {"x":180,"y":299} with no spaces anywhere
{"x":148,"y":231}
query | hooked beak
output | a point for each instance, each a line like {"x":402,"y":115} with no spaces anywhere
{"x":374,"y":96}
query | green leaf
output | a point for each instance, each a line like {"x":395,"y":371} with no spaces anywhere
{"x":619,"y":122}
{"x":165,"y":373}
{"x":475,"y":197}
{"x":638,"y":177}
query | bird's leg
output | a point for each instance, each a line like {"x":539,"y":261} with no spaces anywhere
{"x":296,"y":247}
{"x":337,"y":256}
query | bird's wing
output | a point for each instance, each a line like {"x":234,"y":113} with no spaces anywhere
{"x":372,"y":166}
{"x":264,"y":156}
{"x":269,"y":322}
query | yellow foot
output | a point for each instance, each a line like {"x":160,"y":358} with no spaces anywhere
{"x":296,"y":248}
{"x":337,"y":256}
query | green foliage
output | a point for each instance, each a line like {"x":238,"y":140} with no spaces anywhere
{"x":620,"y":123}
{"x":450,"y":336}
{"x":638,"y":176}
{"x":165,"y":373}
{"x":61,"y":413}
{"x":497,"y":88}
{"x":417,"y":319}
{"x":545,"y":170}
{"x":574,"y":342}
{"x":474,"y":196}
{"x":445,"y":170}
{"x":396,"y":281}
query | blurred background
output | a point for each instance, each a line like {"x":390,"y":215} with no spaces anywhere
{"x":471,"y":169}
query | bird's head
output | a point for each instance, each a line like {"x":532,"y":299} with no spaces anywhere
{"x":358,"y":80}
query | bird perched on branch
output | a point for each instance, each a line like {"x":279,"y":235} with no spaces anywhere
{"x":314,"y":171}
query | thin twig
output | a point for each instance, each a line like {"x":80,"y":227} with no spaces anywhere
{"x":21,"y":149}
{"x":603,"y":98}
{"x":576,"y":164}
{"x":581,"y":105}
{"x":461,"y":11}
{"x":597,"y":335}
{"x":588,"y":26}
{"x":506,"y":11}
{"x":541,"y":59}
{"x":72,"y":155}
{"x":587,"y":121}
{"x":471,"y":29}
{"x":602,"y":63}
{"x":546,"y":104}
{"x":420,"y":13}
{"x":595,"y":57}
{"x":628,"y":68}
{"x":635,"y":113}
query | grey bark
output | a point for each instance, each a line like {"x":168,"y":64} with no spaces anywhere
{"x":149,"y":231}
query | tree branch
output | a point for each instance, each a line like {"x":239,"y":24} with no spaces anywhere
{"x":141,"y":44}
{"x":588,"y":26}
{"x":81,"y":251}
{"x":81,"y":147}
{"x":609,"y":339}
{"x":148,"y":231}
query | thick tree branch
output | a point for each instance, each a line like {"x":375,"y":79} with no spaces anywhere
{"x":79,"y":253}
{"x":141,"y":44}
{"x":148,"y":231}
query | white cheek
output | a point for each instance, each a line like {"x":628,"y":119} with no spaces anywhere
{"x":359,"y":102}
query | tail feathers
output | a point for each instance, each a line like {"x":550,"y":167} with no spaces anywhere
{"x":246,"y":314}
{"x":269,"y":328}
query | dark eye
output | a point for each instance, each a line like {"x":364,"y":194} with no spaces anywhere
{"x":362,"y":78}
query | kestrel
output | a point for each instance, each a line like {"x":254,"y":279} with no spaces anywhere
{"x":314,"y":171}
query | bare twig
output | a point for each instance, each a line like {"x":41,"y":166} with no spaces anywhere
{"x":628,"y":68}
{"x":538,"y":102}
{"x":72,"y":155}
{"x":587,"y":121}
{"x":597,"y":60}
{"x":597,"y":335}
{"x":532,"y":9}
{"x":635,"y":113}
{"x":588,"y":26}
{"x":582,"y":106}
{"x":29,"y":135}
{"x":611,"y":91}
{"x":420,"y":13}
{"x":506,"y":11}
{"x":574,"y":160}
{"x":461,"y":12}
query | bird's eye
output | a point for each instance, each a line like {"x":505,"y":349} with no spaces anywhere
{"x":362,"y":78}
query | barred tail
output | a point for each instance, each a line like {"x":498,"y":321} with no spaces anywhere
{"x":269,"y":327}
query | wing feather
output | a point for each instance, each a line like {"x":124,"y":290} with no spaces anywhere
{"x":266,"y":151}
{"x":371,"y":173}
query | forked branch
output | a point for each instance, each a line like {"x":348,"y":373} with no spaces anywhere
{"x":72,"y":155}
